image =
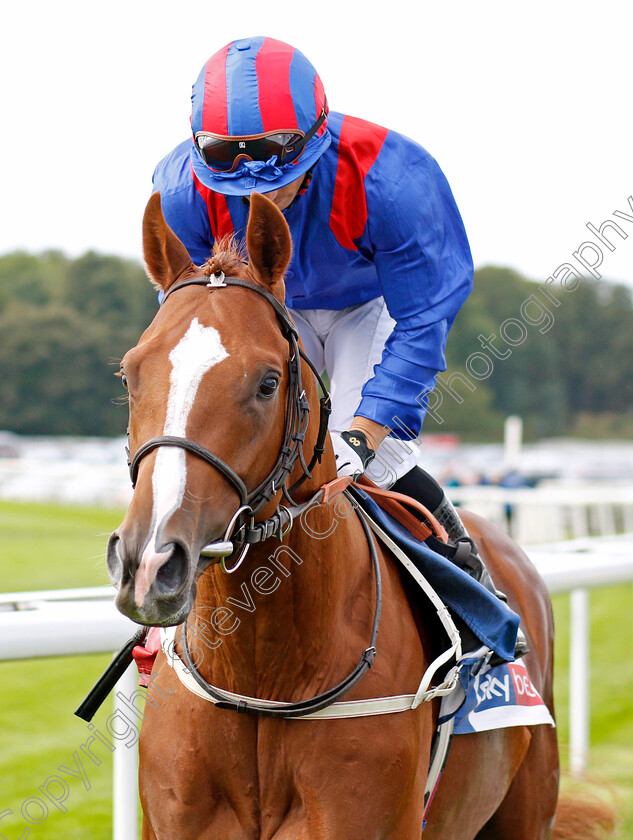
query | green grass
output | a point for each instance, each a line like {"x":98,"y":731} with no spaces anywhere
{"x":52,"y":547}
{"x":611,"y":695}
{"x":45,"y":546}
{"x":38,"y":733}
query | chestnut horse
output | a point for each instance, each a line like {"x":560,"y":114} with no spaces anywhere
{"x":213,"y":370}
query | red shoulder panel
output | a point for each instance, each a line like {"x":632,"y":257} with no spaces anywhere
{"x":219,"y":216}
{"x":359,"y":146}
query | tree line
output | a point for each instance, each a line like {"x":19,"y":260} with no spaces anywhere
{"x":566,"y":358}
{"x":65,"y":324}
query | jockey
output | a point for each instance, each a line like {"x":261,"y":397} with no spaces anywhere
{"x":381,"y":262}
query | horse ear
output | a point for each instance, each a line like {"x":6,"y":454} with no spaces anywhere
{"x":166,"y":258}
{"x":268,"y":243}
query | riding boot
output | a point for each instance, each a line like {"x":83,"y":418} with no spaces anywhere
{"x":468,"y":559}
{"x":426,"y":489}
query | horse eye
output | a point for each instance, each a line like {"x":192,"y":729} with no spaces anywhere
{"x":268,"y":386}
{"x":123,"y":379}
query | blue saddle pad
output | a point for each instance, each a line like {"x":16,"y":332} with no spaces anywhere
{"x":490,"y":619}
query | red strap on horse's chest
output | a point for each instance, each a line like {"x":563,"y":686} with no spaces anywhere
{"x":145,"y":655}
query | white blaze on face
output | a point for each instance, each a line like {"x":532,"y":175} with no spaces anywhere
{"x":197,"y":352}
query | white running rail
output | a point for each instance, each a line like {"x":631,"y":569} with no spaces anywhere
{"x":80,"y":621}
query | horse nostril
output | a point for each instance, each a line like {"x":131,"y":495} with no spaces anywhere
{"x":172,"y":575}
{"x":114,"y":563}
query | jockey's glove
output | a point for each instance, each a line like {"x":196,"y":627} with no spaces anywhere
{"x":352,"y":452}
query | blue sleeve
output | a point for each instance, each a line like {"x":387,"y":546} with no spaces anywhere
{"x":425,"y":268}
{"x":184,"y":209}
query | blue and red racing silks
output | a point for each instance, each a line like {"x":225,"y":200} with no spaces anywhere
{"x":378,"y":218}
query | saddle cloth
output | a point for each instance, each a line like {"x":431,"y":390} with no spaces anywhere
{"x":494,"y":698}
{"x":486,"y":697}
{"x":490,"y":619}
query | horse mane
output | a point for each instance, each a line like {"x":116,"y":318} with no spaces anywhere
{"x":228,"y":255}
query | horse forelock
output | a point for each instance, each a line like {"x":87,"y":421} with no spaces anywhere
{"x":229,"y":255}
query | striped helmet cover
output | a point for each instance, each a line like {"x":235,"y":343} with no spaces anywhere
{"x":256,"y":85}
{"x":252,"y":86}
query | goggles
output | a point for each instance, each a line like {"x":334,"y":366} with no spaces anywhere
{"x":223,"y":154}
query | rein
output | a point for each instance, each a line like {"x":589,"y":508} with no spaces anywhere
{"x":297,"y":418}
{"x":328,"y":705}
{"x":270,"y":708}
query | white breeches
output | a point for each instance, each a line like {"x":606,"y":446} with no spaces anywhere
{"x":347,"y":344}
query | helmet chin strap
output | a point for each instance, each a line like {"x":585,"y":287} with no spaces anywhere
{"x":306,"y":180}
{"x":302,"y":189}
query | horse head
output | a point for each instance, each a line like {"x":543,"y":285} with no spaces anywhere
{"x":209,"y":385}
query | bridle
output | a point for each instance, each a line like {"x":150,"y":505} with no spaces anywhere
{"x":238,"y":538}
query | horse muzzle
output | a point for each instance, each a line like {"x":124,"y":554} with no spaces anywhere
{"x":153,"y":587}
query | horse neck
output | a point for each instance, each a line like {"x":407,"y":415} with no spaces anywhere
{"x":280,"y":626}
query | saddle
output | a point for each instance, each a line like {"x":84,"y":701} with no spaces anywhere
{"x":395,"y":504}
{"x":481,"y":617}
